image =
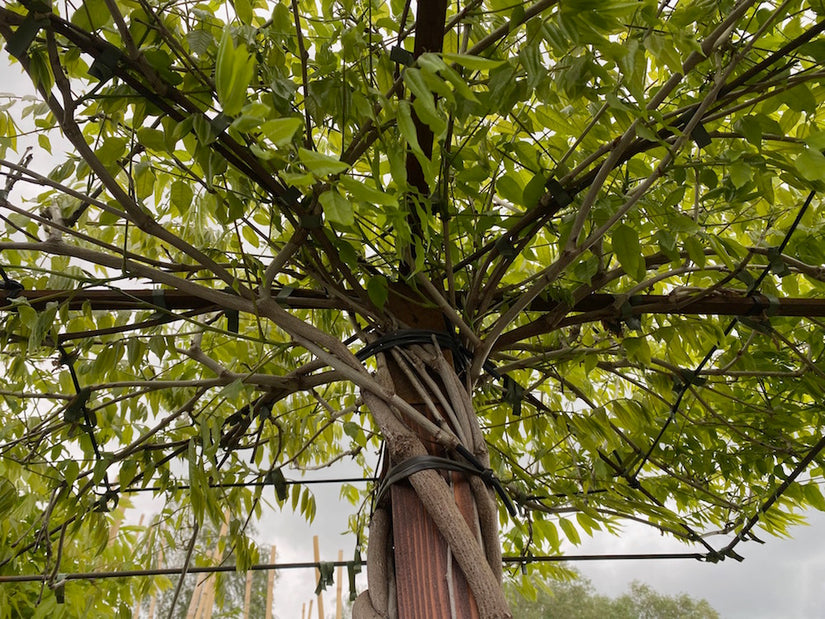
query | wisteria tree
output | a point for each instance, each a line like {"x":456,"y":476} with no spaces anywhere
{"x":560,"y":262}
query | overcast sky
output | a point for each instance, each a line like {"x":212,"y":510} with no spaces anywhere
{"x":782,"y":579}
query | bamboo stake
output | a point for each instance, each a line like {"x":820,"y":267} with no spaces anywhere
{"x":317,"y":550}
{"x":303,"y":610}
{"x":309,"y":614}
{"x":270,"y":584}
{"x":209,"y":593}
{"x":112,"y":535}
{"x":153,"y":599}
{"x":113,"y":530}
{"x":339,"y":603}
{"x":247,"y":596}
{"x":194,"y":601}
{"x":201,"y":594}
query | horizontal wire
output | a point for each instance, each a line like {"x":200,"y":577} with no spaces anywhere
{"x":176,"y":571}
{"x":255,"y":484}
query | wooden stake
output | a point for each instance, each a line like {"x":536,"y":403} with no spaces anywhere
{"x":112,"y":535}
{"x":316,"y":548}
{"x":270,"y":584}
{"x":247,"y":596}
{"x":339,"y":602}
{"x":153,"y":600}
{"x":113,"y":530}
{"x":205,"y":589}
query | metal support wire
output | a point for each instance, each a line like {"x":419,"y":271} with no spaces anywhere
{"x":687,"y":383}
{"x":176,"y":571}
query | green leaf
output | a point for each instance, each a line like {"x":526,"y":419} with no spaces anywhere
{"x":477,"y":63}
{"x":740,"y":174}
{"x":811,"y":165}
{"x":509,"y":189}
{"x":415,"y":82}
{"x":233,"y":73}
{"x":92,"y":15}
{"x":695,"y":251}
{"x":378,"y":290}
{"x":144,"y":180}
{"x":638,"y":349}
{"x":42,"y":325}
{"x":570,"y":531}
{"x":111,"y":150}
{"x":181,"y":195}
{"x":337,"y":208}
{"x":628,"y":250}
{"x":365,"y":193}
{"x":152,"y":138}
{"x":407,"y":127}
{"x":243,"y":9}
{"x":750,"y":128}
{"x":280,"y":131}
{"x":321,"y":165}
{"x":814,"y":496}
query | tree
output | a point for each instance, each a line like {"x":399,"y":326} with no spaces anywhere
{"x":578,"y":598}
{"x":566,"y":253}
{"x":229,"y":597}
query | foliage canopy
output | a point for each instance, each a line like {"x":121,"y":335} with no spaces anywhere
{"x":613,"y":205}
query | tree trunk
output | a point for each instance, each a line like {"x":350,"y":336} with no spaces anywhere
{"x":444,"y":531}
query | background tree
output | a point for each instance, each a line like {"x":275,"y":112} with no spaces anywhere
{"x":577,"y":598}
{"x":571,"y":248}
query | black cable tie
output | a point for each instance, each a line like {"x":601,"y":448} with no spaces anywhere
{"x":729,"y":552}
{"x":417,"y":464}
{"x":633,"y":482}
{"x":776,"y":264}
{"x":310,"y":222}
{"x":37,"y":6}
{"x":13,"y":288}
{"x":233,"y":316}
{"x":20,"y":41}
{"x":558,"y":193}
{"x":220,"y":123}
{"x":102,"y":504}
{"x":59,"y":589}
{"x":353,"y":592}
{"x":690,"y":377}
{"x":479,"y":469}
{"x":407,"y":337}
{"x":700,"y":136}
{"x":159,"y":298}
{"x":402,"y":56}
{"x":768,"y":304}
{"x":290,"y":197}
{"x":506,"y":247}
{"x":103,"y":67}
{"x":326,"y":569}
{"x":283,"y":296}
{"x":513,"y":394}
{"x":277,"y":479}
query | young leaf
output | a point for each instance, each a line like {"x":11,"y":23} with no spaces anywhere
{"x":233,"y":72}
{"x":811,"y":165}
{"x":319,"y":164}
{"x":378,"y":290}
{"x":337,"y":208}
{"x":627,"y":249}
{"x":280,"y":131}
{"x":477,"y":63}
